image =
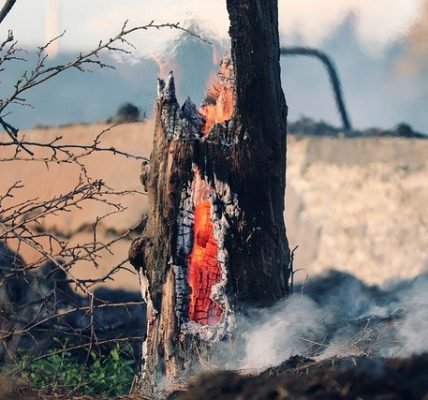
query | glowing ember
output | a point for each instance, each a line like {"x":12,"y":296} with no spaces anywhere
{"x":218,"y":105}
{"x":204,"y":270}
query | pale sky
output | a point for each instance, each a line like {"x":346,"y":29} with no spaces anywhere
{"x":88,"y":21}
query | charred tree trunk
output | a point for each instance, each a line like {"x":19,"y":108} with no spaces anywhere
{"x":215,"y":240}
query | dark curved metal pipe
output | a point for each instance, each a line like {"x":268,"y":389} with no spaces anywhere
{"x":6,"y":8}
{"x":332,"y":72}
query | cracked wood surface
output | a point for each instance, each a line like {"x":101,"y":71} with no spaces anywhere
{"x":242,"y":162}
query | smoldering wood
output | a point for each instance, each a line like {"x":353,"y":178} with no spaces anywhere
{"x":242,"y":164}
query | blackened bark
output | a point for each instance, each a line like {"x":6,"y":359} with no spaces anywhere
{"x":260,"y":262}
{"x":240,"y":166}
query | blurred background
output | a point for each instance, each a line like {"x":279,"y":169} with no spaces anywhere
{"x":355,"y":203}
{"x":358,"y":205}
{"x":380,"y":49}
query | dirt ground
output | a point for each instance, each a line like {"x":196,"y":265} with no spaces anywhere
{"x":299,"y":378}
{"x":296,"y":379}
{"x":119,"y":173}
{"x":357,"y":205}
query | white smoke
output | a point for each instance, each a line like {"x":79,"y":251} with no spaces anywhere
{"x":87,"y":22}
{"x":280,"y":333}
{"x":339,"y":316}
{"x":412,"y":331}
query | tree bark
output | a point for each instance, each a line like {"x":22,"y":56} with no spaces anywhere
{"x":215,"y":240}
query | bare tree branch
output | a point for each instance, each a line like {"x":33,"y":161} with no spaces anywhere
{"x":56,"y":301}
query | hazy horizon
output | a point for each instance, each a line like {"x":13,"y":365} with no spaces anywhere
{"x":381,"y":58}
{"x":34,"y":23}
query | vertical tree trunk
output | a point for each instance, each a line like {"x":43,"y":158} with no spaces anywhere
{"x":215,"y":240}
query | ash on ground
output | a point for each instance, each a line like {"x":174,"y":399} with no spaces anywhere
{"x":336,"y":337}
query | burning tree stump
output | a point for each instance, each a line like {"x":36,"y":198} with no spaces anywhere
{"x":215,"y":239}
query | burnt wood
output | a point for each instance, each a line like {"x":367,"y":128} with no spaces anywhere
{"x":243,"y":162}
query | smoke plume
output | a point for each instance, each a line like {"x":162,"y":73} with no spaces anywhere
{"x":416,"y":56}
{"x":335,"y":314}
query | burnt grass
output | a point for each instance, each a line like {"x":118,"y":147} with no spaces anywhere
{"x":303,"y":378}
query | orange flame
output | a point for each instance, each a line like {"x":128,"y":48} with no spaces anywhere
{"x":215,"y":55}
{"x":161,"y":65}
{"x":218,"y":106}
{"x":204,"y":269}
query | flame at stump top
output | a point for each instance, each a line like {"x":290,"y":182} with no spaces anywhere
{"x":217,"y":106}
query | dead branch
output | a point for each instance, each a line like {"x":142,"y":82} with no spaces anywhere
{"x":44,"y":299}
{"x":42,"y":72}
{"x":64,"y":152}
